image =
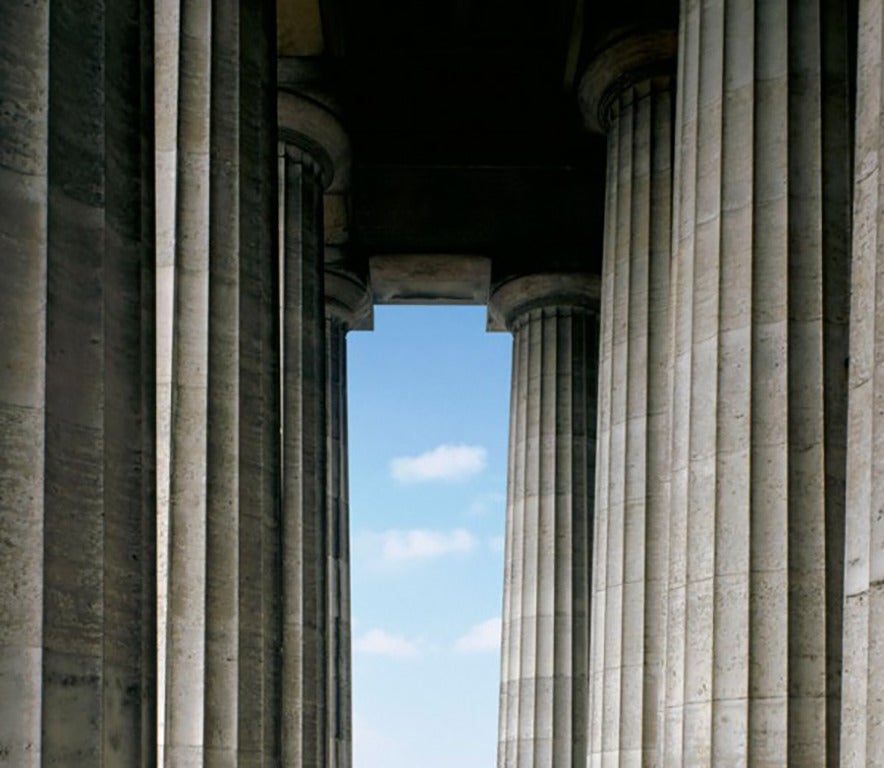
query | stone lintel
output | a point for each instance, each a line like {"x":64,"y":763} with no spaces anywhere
{"x":627,"y":61}
{"x":522,"y":294}
{"x":430,"y":278}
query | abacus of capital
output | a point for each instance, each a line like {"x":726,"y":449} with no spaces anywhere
{"x":694,"y":549}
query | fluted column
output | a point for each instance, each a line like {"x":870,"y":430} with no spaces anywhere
{"x":627,"y":91}
{"x":312,"y":160}
{"x":544,"y":666}
{"x":77,"y":493}
{"x":347,"y":306}
{"x":222,"y":591}
{"x":862,"y":736}
{"x":760,"y":217}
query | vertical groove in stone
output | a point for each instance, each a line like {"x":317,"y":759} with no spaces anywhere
{"x":546,"y":596}
{"x":862,"y":719}
{"x":73,"y":570}
{"x":76,"y":208}
{"x":838,"y":70}
{"x":129,"y":677}
{"x":304,"y":548}
{"x":750,"y":509}
{"x":338,"y":522}
{"x":632,"y":482}
{"x":224,"y":427}
{"x":259,"y":468}
{"x":223,"y":395}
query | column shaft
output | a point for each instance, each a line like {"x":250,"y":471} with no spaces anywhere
{"x":304,"y":527}
{"x":630,"y":564}
{"x":862,"y":738}
{"x":338,"y":534}
{"x":546,"y":592}
{"x":77,"y":668}
{"x":752,"y":511}
{"x":225,"y":404}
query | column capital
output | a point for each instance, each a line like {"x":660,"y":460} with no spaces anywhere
{"x":521,"y":294}
{"x":627,"y":61}
{"x":348,"y":297}
{"x":309,"y":126}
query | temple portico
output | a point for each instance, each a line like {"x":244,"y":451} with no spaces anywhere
{"x":675,"y":210}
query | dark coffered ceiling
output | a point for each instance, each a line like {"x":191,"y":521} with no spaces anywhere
{"x":464,"y":123}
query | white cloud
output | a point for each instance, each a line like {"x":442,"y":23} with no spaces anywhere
{"x":399,"y":546}
{"x":445,"y":462}
{"x":379,"y":643}
{"x":484,"y":636}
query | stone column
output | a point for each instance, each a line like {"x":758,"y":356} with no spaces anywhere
{"x":760,"y":216}
{"x":347,"y":307}
{"x":627,"y":92}
{"x":862,"y":736}
{"x":77,"y":483}
{"x":544,"y":666}
{"x":312,"y":147}
{"x":222,"y":592}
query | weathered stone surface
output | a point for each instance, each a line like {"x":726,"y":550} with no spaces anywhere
{"x":77,"y":621}
{"x":630,"y":557}
{"x":862,"y":735}
{"x":305,"y":671}
{"x":222,"y":688}
{"x":760,"y":214}
{"x":545,"y":652}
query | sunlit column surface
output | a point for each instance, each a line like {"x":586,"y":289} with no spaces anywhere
{"x":760,"y":219}
{"x":222,"y":591}
{"x":167,"y":35}
{"x":77,"y":484}
{"x":627,"y":92}
{"x":862,"y":737}
{"x":544,"y":666}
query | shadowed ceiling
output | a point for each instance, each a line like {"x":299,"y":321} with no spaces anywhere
{"x":464,"y":124}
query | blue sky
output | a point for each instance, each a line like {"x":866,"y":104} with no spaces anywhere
{"x":429,"y":414}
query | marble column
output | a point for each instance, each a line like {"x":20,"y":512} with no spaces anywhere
{"x":545,"y":652}
{"x":222,"y":593}
{"x":347,"y":307}
{"x":862,"y":736}
{"x":77,"y":484}
{"x":627,"y":92}
{"x":760,"y":214}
